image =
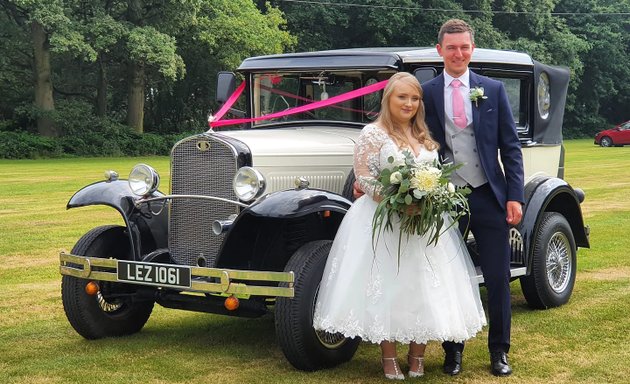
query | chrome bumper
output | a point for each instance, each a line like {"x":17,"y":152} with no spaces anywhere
{"x":84,"y":267}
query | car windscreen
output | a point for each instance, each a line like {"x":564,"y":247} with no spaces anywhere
{"x":282,"y":91}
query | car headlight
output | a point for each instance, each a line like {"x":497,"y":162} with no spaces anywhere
{"x":248,"y":184}
{"x":143,"y":180}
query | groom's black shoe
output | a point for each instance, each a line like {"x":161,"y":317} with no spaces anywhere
{"x":499,"y":363}
{"x":452,"y":363}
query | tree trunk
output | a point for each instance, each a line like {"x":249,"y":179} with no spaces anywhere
{"x":44,"y":101}
{"x":101,"y":88}
{"x":135,"y":102}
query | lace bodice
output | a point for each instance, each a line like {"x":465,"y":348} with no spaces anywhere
{"x":371,"y":152}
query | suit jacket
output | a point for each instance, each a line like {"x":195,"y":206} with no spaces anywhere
{"x":495,"y":133}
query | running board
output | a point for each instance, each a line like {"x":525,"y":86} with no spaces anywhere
{"x":514,"y":272}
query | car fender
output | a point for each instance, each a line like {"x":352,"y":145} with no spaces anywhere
{"x":298,"y":202}
{"x":265,"y":234}
{"x":147,"y":224}
{"x":551,"y":194}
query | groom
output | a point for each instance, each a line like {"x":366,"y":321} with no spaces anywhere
{"x":476,"y":133}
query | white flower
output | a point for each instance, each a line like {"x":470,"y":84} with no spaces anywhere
{"x":451,"y":187}
{"x":395,"y":177}
{"x":397,"y":161}
{"x":426,"y":179}
{"x":476,"y":94}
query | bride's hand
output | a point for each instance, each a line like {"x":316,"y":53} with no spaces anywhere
{"x":412,"y":210}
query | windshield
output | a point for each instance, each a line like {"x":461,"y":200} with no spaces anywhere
{"x":278,"y":91}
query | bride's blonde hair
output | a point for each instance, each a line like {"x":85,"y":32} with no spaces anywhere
{"x":419,"y":128}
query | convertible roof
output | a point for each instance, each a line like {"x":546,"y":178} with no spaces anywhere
{"x":373,"y":58}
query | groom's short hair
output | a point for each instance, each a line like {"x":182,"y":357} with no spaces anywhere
{"x":455,"y":26}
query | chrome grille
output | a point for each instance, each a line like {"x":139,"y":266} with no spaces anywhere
{"x":516,"y":247}
{"x":330,"y":182}
{"x":200,"y":165}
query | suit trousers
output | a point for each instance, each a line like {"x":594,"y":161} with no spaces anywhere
{"x":487,"y":222}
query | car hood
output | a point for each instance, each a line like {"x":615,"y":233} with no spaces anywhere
{"x":323,"y":155}
{"x":605,"y":132}
{"x":297,"y":142}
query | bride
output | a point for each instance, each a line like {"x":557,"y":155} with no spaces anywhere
{"x":369,"y":291}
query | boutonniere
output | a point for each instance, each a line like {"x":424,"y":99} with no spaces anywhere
{"x":476,"y":94}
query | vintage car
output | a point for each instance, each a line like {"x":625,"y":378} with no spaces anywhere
{"x":617,"y":136}
{"x":255,"y":202}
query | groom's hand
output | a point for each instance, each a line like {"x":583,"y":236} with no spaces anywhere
{"x":514,"y":212}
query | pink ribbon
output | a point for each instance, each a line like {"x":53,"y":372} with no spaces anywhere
{"x":303,"y":108}
{"x":229,"y":102}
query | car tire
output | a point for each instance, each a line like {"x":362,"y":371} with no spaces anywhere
{"x":553,"y":268}
{"x":348,"y":186}
{"x":98,"y":316}
{"x":606,"y":142}
{"x":305,"y":348}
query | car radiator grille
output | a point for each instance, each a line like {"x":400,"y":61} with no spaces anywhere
{"x":200,"y":165}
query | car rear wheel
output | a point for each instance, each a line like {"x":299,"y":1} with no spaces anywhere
{"x":114,"y":310}
{"x":305,"y":348}
{"x":552,"y":276}
{"x":606,"y":142}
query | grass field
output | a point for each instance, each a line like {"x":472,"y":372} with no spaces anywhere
{"x":584,"y":341}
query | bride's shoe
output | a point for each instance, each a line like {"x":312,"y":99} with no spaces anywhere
{"x":397,"y":375}
{"x":419,"y":372}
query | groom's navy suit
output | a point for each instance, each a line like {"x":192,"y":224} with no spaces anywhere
{"x":495,"y":135}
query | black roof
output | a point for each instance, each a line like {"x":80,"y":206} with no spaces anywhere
{"x":373,"y":58}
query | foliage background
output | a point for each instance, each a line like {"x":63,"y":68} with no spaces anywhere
{"x":107,"y":69}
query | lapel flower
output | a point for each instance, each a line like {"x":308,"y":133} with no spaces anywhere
{"x":476,"y":94}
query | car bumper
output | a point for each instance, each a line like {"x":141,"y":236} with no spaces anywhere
{"x":204,"y":280}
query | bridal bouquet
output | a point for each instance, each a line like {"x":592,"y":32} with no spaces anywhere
{"x":418,"y":194}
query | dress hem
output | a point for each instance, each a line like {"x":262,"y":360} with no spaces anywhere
{"x":471,"y":332}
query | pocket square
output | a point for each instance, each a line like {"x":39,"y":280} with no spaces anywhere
{"x":489,"y":110}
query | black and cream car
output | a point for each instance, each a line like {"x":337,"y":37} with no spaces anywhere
{"x":253,"y":208}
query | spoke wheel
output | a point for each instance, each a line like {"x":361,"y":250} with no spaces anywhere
{"x":114,"y":310}
{"x":551,"y":277}
{"x":559,"y":262}
{"x":305,"y":348}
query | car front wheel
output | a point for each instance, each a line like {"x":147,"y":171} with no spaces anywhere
{"x":552,"y":276}
{"x":114,"y":310}
{"x":606,"y":142}
{"x":304,"y":347}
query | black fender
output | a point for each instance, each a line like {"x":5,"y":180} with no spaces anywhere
{"x":267,"y":233}
{"x":551,"y":194}
{"x":147,"y":223}
{"x":299,"y":202}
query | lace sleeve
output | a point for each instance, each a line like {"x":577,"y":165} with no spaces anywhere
{"x":366,"y":158}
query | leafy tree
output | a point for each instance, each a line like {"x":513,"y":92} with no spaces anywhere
{"x":602,"y":95}
{"x":219,"y":37}
{"x":50,"y":30}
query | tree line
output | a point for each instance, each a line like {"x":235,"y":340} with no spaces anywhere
{"x":128,"y":76}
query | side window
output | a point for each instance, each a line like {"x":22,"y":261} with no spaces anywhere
{"x":517,"y":90}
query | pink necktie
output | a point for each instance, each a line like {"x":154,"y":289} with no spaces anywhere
{"x":459,"y":113}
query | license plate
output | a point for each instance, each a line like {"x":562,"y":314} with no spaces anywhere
{"x":163,"y":275}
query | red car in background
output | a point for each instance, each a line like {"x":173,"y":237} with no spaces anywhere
{"x":620,"y":135}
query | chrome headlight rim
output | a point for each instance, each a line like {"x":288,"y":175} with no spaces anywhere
{"x":143,"y":179}
{"x":248,"y":184}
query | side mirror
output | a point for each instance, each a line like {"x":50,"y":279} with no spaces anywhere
{"x":225,"y":86}
{"x":424,"y":74}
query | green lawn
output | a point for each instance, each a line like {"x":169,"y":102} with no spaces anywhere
{"x":584,"y":341}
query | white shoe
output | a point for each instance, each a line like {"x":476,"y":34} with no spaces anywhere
{"x":397,"y":375}
{"x":418,"y":372}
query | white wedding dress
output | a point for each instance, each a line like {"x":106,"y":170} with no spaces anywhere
{"x":366,"y":292}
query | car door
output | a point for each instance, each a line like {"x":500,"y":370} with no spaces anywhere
{"x":623,"y":134}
